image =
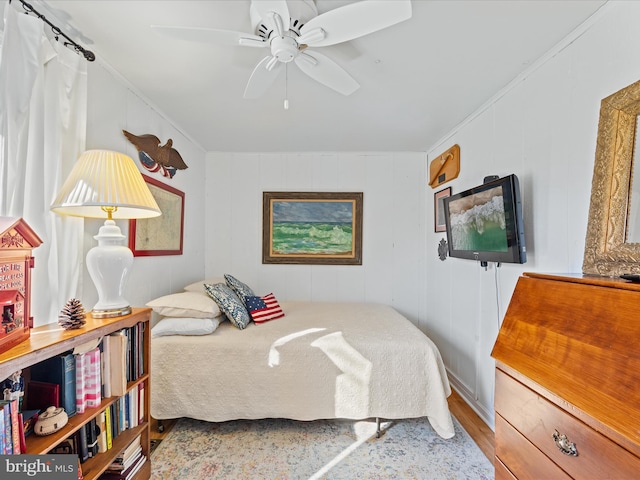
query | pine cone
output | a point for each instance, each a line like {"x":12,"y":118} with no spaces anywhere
{"x":72,"y":315}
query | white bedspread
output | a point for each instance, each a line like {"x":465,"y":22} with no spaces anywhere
{"x":321,"y":360}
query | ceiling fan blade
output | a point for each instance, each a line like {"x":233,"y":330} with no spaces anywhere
{"x":212,"y":35}
{"x":266,"y":8}
{"x":324,"y":70}
{"x":357,"y":19}
{"x":262,"y":77}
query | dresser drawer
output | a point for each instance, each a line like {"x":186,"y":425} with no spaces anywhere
{"x":537,"y":419}
{"x":521,"y":457}
{"x":502,"y":472}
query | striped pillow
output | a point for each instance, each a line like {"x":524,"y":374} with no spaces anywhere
{"x":263,"y":309}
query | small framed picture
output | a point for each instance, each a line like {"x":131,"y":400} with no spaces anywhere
{"x":161,"y":235}
{"x":438,"y":205}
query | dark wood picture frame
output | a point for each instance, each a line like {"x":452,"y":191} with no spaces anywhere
{"x":310,"y":228}
{"x":438,"y":209}
{"x":161,"y":235}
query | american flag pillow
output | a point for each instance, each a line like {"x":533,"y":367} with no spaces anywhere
{"x":263,"y":309}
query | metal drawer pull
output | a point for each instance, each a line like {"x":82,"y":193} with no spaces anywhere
{"x":564,"y":445}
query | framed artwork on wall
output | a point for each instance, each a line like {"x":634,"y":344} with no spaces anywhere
{"x":159,"y":235}
{"x":313,"y":228}
{"x":438,"y":205}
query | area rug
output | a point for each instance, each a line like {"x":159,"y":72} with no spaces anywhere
{"x":323,"y":449}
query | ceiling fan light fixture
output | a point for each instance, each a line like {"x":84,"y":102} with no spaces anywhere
{"x":285,"y":49}
{"x":312,"y":36}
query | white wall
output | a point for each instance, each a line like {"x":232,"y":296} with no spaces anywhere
{"x":112,"y":107}
{"x":543,"y":128}
{"x":393,"y":270}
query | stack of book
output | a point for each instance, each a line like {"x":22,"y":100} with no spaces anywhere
{"x":127,"y":463}
{"x":77,"y":381}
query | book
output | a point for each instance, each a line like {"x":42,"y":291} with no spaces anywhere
{"x":143,"y":329}
{"x":140,"y":403}
{"x":107,"y":426}
{"x":5,"y":411}
{"x":132,"y":408}
{"x":122,"y":426}
{"x":133,"y":364}
{"x":128,"y":450}
{"x":115,"y":429}
{"x":42,"y":395}
{"x":3,"y":432}
{"x":102,"y":434}
{"x":92,"y":438}
{"x":127,"y":334}
{"x":14,"y":427}
{"x":60,"y":369}
{"x":82,"y":445}
{"x":93,"y":384}
{"x":23,"y":442}
{"x":125,"y":474}
{"x":118,"y":366}
{"x":81,"y":399}
{"x":116,"y":467}
{"x":106,"y":368}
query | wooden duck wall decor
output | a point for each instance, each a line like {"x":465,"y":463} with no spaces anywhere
{"x":155,"y":157}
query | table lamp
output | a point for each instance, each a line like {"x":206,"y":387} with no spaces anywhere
{"x":107,"y":184}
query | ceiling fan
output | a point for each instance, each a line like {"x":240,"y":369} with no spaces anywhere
{"x":292,"y":29}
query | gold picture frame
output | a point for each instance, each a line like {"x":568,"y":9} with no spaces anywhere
{"x":607,"y":251}
{"x":314,"y":228}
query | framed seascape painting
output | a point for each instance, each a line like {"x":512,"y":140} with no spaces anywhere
{"x":159,"y":235}
{"x":312,"y":228}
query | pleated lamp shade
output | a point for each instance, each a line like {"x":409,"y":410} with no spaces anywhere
{"x":106,"y":184}
{"x":103,"y":178}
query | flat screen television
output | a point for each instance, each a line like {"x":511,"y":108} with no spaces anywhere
{"x":485,"y":223}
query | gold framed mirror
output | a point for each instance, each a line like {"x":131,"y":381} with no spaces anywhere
{"x":607,"y":249}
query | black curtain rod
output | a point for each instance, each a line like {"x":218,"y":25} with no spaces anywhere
{"x":87,"y":54}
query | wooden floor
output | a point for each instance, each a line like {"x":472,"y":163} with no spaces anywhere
{"x":477,"y":429}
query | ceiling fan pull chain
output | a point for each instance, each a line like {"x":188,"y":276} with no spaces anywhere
{"x":286,"y":86}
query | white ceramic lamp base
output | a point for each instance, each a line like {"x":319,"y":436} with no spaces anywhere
{"x":109,"y":265}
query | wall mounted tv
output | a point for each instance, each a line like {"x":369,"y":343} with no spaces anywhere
{"x":485,"y":223}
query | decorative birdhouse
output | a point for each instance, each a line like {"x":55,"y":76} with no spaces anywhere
{"x":17,"y":240}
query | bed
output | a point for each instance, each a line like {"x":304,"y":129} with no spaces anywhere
{"x":318,"y":361}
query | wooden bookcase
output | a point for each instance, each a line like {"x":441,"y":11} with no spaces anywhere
{"x":49,"y":340}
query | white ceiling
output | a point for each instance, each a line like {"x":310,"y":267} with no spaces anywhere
{"x":419,"y":78}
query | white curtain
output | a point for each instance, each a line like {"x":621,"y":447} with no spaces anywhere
{"x":43,"y":104}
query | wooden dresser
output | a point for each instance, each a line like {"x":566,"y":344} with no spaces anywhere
{"x":568,"y":380}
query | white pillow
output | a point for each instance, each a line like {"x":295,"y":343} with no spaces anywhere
{"x":184,"y":326}
{"x":199,"y":286}
{"x":186,"y":304}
